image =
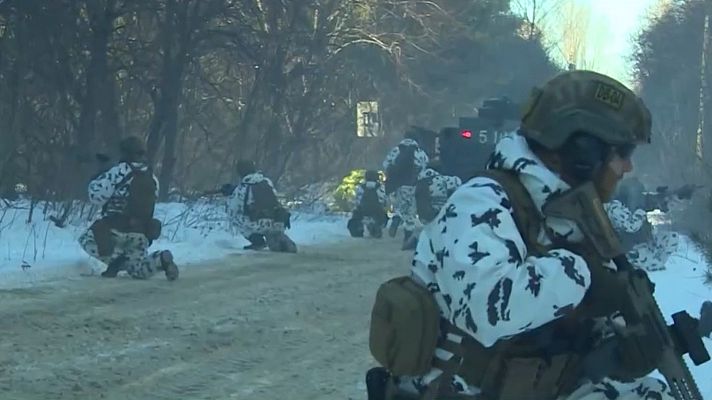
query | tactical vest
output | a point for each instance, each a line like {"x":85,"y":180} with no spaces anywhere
{"x":403,"y":171}
{"x":370,"y":205}
{"x":406,"y":329}
{"x":424,"y":201}
{"x":265,"y":204}
{"x":137,"y":215}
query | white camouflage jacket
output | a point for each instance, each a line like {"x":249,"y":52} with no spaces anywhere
{"x":420,"y":156}
{"x":110,"y":190}
{"x":441,"y":186}
{"x":623,"y":219}
{"x":475,"y":262}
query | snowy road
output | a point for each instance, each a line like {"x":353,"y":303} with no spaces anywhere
{"x":257,"y":326}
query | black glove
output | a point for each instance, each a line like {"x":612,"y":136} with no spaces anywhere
{"x":605,"y":294}
{"x":637,"y":357}
{"x":685,"y":192}
{"x":603,"y":297}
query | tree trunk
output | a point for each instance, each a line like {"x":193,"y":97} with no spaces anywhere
{"x":704,"y":91}
{"x":164,"y":125}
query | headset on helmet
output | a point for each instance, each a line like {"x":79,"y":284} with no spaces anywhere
{"x":584,"y":115}
{"x":585,"y":101}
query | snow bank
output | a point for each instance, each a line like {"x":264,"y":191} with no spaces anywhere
{"x":195,"y":232}
{"x":199,"y":231}
{"x":681,"y":287}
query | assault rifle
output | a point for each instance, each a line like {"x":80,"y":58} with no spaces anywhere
{"x":661,"y":197}
{"x":645,"y":328}
{"x":224,"y":190}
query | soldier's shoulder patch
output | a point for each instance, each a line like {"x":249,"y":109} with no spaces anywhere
{"x":609,"y":95}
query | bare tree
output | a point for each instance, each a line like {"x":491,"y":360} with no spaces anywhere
{"x":579,"y":40}
{"x":537,"y":15}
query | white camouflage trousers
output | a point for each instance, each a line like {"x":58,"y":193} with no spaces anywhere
{"x":641,"y":389}
{"x":646,"y":388}
{"x":132,"y":247}
{"x":653,"y":254}
{"x":247,"y":227}
{"x":404,"y":206}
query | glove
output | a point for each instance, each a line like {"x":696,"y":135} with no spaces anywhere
{"x":685,"y":192}
{"x":637,"y":357}
{"x":604,"y":296}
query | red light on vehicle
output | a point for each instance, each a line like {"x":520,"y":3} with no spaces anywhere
{"x":466,"y":134}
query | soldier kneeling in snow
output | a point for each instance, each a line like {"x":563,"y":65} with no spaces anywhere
{"x":510,"y":299}
{"x":370,"y":210}
{"x":257,"y":213}
{"x":431,"y":193}
{"x":127,"y":194}
{"x":646,"y":246}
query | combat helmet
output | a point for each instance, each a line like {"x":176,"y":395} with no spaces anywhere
{"x":245,"y":167}
{"x":371,"y":176}
{"x":585,"y":101}
{"x":132,"y":148}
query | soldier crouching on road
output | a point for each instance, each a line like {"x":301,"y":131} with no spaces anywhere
{"x":257,"y":213}
{"x":402,"y":165}
{"x":646,"y":246}
{"x":515,"y":300}
{"x":431,"y":192}
{"x":127,"y":194}
{"x":370,"y":210}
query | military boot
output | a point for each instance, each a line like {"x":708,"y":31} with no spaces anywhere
{"x":280,"y":242}
{"x":114,"y":267}
{"x":168,"y":266}
{"x":395,"y":223}
{"x":376,"y":383}
{"x":375,"y":231}
{"x":257,"y":242}
{"x":355,"y":227}
{"x":410,"y":240}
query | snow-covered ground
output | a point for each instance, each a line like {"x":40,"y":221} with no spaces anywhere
{"x":681,"y":287}
{"x":199,"y":232}
{"x":195,"y":232}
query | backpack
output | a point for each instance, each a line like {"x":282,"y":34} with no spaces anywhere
{"x":403,"y":171}
{"x":265,"y":204}
{"x":369,"y":199}
{"x":370,"y":205}
{"x":424,"y":201}
{"x":141,"y":202}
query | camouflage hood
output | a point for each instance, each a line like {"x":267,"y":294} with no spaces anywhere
{"x":255,"y":177}
{"x":513,"y":153}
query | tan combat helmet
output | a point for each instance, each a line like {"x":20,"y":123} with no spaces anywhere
{"x":132,"y":146}
{"x":585,"y":101}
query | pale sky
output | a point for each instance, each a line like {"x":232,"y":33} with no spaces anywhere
{"x":622,"y":20}
{"x":613,"y":25}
